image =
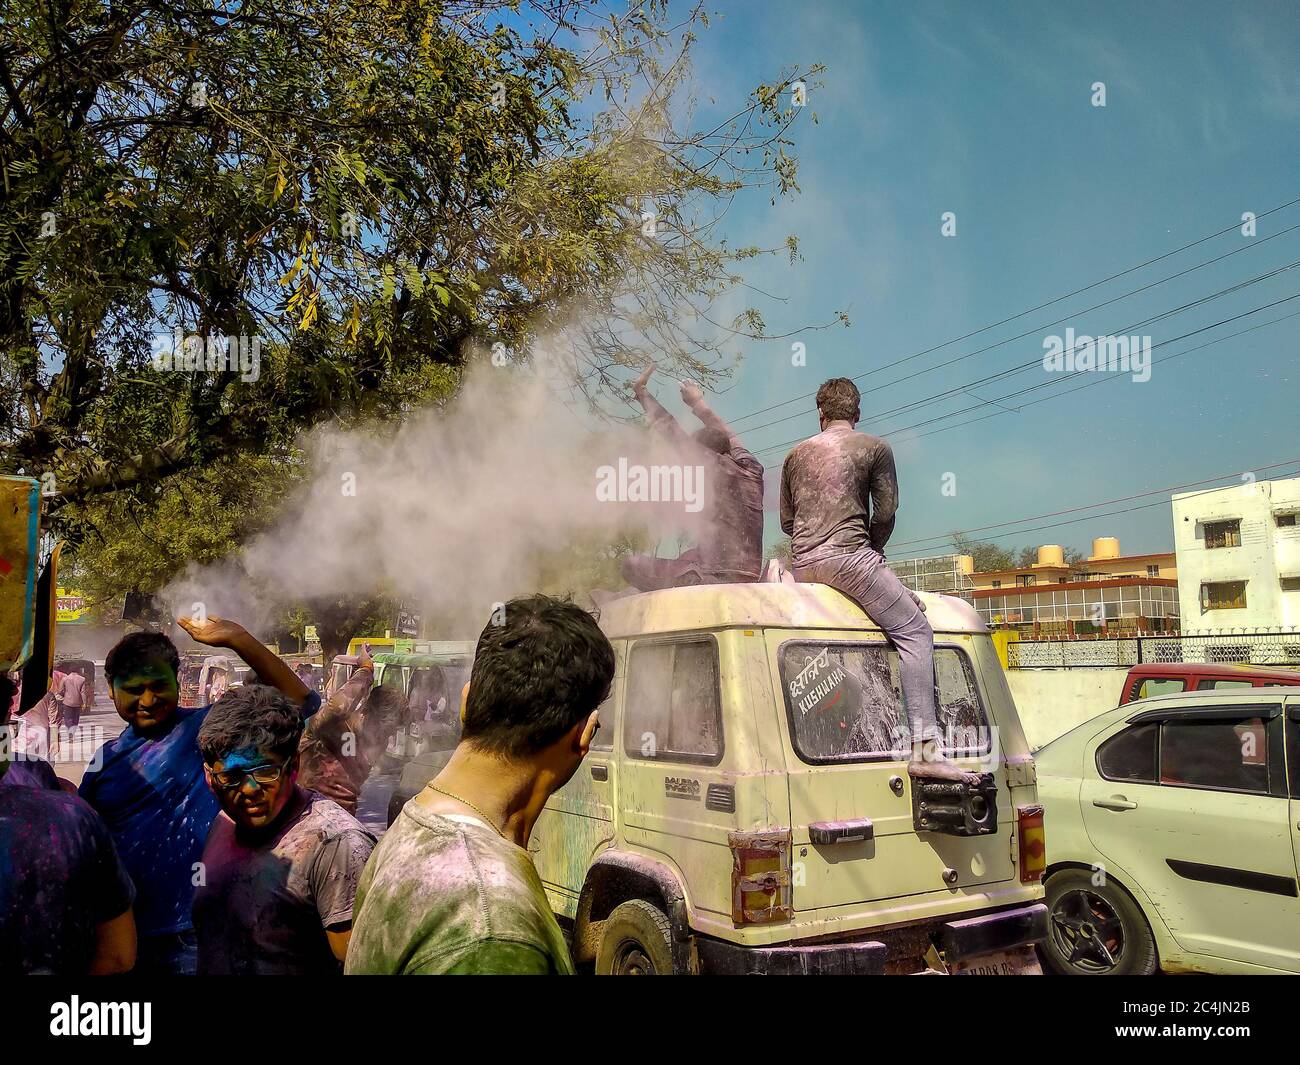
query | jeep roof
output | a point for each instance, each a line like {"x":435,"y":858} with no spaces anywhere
{"x":765,"y":605}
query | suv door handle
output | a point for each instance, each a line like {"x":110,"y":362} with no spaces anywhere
{"x":599,"y":772}
{"x":1117,"y":802}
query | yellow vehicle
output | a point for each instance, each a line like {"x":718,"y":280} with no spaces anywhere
{"x":747,"y":807}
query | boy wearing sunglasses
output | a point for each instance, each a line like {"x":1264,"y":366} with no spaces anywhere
{"x":281,"y":865}
{"x":147,"y":783}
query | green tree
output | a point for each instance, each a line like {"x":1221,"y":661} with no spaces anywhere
{"x":987,"y":556}
{"x":372,"y":189}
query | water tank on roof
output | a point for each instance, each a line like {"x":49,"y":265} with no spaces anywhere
{"x":1051,"y":555}
{"x":1104,"y":547}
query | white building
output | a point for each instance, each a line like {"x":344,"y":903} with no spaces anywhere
{"x":1238,"y":554}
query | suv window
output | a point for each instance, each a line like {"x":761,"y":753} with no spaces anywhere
{"x":673,"y":706}
{"x":1224,"y":755}
{"x":844,"y":702}
{"x":605,"y":712}
{"x":1130,"y":755}
{"x":1157,"y":686}
{"x":1220,"y":684}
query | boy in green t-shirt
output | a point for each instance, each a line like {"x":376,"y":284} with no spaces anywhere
{"x":450,"y":888}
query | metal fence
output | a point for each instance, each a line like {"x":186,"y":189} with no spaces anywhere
{"x":1247,"y":648}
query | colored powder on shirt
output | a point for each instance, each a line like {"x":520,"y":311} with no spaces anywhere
{"x":152,"y":794}
{"x":448,"y":894}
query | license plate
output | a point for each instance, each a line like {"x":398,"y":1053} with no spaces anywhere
{"x":1019,"y":962}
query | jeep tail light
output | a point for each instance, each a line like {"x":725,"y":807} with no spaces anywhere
{"x":1033,"y":843}
{"x":760,"y":877}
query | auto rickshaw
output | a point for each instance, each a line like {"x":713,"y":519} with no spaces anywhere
{"x":204,"y":678}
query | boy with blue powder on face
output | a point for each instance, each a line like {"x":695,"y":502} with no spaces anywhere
{"x":150,"y":787}
{"x":282,"y":863}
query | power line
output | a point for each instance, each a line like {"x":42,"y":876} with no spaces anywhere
{"x":1089,"y":517}
{"x":1012,"y":371}
{"x":1031,"y":310}
{"x":1080,"y":373}
{"x":1103,"y":380}
{"x":1092,"y":506}
{"x":1122,"y":331}
{"x":1035,"y":329}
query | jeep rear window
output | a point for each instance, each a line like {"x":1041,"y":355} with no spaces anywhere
{"x":672,"y":709}
{"x":844,"y":702}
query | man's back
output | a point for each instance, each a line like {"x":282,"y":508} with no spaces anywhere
{"x":839,"y":492}
{"x":60,"y":879}
{"x":74,"y":690}
{"x":447,"y":894}
{"x":735,"y":541}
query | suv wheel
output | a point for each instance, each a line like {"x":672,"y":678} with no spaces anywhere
{"x":1095,"y":931}
{"x":636,"y":941}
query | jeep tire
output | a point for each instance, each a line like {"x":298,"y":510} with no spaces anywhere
{"x":1095,"y":930}
{"x":636,"y":941}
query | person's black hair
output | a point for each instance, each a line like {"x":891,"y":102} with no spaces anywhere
{"x":535,"y":676}
{"x":838,"y":400}
{"x":138,"y":649}
{"x":252,"y":715}
{"x":385,"y":703}
{"x":713,"y":439}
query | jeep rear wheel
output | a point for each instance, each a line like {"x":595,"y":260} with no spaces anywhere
{"x":636,"y":941}
{"x":1095,"y":930}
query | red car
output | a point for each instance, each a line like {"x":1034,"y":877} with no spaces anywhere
{"x":1167,"y":677}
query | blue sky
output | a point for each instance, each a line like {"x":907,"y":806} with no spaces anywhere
{"x":985,"y":110}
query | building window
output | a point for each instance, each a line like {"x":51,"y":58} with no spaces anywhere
{"x":1024,"y":580}
{"x":1291,"y":584}
{"x":1153,"y":571}
{"x":1223,"y":533}
{"x":1285,"y":520}
{"x":1226,"y":595}
{"x":997,"y":584}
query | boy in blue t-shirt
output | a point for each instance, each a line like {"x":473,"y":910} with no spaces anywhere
{"x":149,"y":784}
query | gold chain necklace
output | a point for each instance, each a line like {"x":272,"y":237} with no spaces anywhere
{"x":466,"y":802}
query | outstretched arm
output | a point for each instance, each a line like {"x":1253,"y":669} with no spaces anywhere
{"x":693,"y":397}
{"x":216,"y":632}
{"x":660,"y":420}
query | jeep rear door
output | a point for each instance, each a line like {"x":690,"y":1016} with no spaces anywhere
{"x":847,"y":761}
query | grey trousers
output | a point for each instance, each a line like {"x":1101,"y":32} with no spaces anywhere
{"x":864,"y":578}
